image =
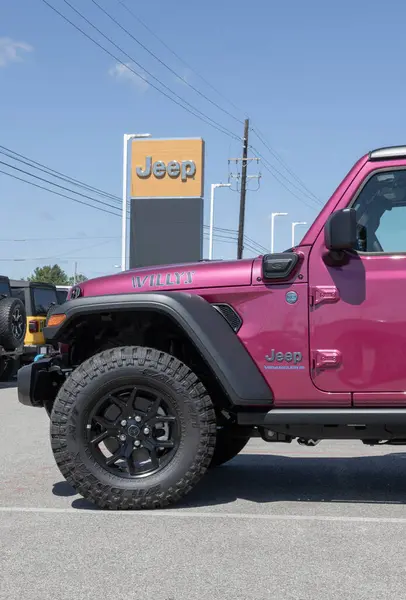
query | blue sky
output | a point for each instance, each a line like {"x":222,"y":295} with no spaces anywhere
{"x":323,"y":82}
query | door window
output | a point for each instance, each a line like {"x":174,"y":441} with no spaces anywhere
{"x":381,"y":213}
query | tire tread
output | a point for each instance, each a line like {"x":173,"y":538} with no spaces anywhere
{"x":158,"y":364}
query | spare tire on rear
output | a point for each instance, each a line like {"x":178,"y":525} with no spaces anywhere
{"x":12,"y":323}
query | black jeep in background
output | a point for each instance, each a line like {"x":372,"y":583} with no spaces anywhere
{"x":13,"y":324}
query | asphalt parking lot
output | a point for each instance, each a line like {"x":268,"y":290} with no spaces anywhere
{"x":278,"y":521}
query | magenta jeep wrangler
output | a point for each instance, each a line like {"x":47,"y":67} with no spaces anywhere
{"x":161,"y":373}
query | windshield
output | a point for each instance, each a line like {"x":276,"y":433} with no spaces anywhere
{"x":43,"y":299}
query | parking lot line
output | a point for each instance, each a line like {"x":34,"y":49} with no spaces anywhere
{"x":201,"y":515}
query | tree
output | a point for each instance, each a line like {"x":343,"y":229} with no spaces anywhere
{"x":50,"y":274}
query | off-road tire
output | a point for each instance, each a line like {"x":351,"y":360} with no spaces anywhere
{"x":10,"y":310}
{"x":133,"y":365}
{"x":228,"y":445}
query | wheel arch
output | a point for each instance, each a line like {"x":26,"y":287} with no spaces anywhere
{"x":215,"y":341}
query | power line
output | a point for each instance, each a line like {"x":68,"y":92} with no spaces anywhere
{"x":58,"y":174}
{"x":272,"y":171}
{"x":58,"y":193}
{"x":137,"y":18}
{"x":59,"y":256}
{"x":283,"y":163}
{"x":68,"y":179}
{"x":62,"y":177}
{"x":219,"y":236}
{"x":55,"y":184}
{"x":255,"y":131}
{"x":206,"y":119}
{"x":292,"y":183}
{"x":225,"y":233}
{"x":165,"y":64}
{"x":234,"y":239}
{"x":87,"y":247}
{"x":254,"y":243}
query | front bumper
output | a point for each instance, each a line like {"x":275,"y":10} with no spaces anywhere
{"x":38,"y":383}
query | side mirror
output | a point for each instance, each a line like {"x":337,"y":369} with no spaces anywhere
{"x":340,"y":230}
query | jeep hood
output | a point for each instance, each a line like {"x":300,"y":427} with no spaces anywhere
{"x":183,"y":277}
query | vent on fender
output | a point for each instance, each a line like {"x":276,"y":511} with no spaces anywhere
{"x":230,"y":315}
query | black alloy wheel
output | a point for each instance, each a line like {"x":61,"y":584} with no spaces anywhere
{"x":17,"y":323}
{"x":133,"y":428}
{"x":133,"y":431}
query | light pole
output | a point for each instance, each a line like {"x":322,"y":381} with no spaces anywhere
{"x":273,"y":215}
{"x":213,"y":187}
{"x":127,"y":137}
{"x":294,"y":225}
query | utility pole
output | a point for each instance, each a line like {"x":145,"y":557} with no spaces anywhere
{"x":244,"y":165}
{"x":75,"y":273}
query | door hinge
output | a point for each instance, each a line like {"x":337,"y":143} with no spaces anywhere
{"x":326,"y":359}
{"x":323,"y":293}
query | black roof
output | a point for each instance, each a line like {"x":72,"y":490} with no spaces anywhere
{"x":22,"y":283}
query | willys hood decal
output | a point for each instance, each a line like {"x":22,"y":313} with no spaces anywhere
{"x":172,"y":277}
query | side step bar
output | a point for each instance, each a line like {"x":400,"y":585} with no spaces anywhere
{"x":339,"y":416}
{"x":325,"y":416}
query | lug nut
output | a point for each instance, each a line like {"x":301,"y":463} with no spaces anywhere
{"x":123,"y":423}
{"x":138,"y":418}
{"x":146,"y":431}
{"x":123,"y":437}
{"x":137,"y":443}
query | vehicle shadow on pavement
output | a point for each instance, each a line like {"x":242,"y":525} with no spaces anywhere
{"x":64,"y":489}
{"x":263,"y":478}
{"x":4,"y":385}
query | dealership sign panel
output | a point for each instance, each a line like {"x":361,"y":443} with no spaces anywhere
{"x":167,"y":168}
{"x":167,"y":178}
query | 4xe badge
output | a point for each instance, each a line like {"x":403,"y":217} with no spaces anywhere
{"x":293,"y":360}
{"x":163,"y":279}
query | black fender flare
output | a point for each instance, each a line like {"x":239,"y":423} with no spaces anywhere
{"x":212,"y":336}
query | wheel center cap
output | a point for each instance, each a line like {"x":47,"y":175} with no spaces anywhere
{"x":133,"y":431}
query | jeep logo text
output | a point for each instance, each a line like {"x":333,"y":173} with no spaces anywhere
{"x":186,"y":169}
{"x":293,"y":357}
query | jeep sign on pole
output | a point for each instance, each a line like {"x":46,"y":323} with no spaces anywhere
{"x":167,"y":168}
{"x":167,"y":178}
